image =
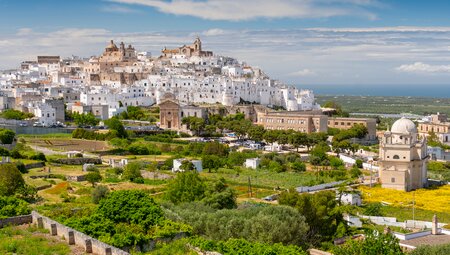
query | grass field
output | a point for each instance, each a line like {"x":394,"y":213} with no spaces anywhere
{"x":395,"y":105}
{"x":31,"y":241}
{"x":265,"y":179}
{"x":65,"y":144}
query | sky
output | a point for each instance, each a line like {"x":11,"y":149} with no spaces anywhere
{"x":364,"y":43}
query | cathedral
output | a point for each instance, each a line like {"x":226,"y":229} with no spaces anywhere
{"x":403,"y":157}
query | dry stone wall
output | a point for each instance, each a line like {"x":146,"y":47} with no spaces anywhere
{"x":89,"y":244}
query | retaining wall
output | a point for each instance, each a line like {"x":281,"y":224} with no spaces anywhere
{"x":89,"y":244}
{"x":18,"y":220}
{"x":34,"y":165}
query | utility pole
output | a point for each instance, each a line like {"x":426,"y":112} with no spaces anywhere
{"x":414,"y":211}
{"x":249,"y":187}
{"x":256,"y":188}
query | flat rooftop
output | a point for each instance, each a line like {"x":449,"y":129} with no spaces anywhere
{"x":428,"y":240}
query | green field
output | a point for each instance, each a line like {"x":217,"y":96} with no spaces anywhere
{"x":393,"y":105}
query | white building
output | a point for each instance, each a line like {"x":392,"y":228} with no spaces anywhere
{"x":252,"y":163}
{"x":178,"y":162}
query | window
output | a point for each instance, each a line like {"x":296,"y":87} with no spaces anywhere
{"x":393,"y":180}
{"x":396,"y":157}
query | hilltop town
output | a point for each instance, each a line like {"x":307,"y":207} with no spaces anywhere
{"x":121,"y":77}
{"x":190,"y":152}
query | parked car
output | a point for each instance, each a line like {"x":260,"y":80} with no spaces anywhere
{"x":23,"y":124}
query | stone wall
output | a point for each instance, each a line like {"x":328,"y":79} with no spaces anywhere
{"x":79,"y":161}
{"x":34,"y":165}
{"x":14,"y":221}
{"x":89,"y":244}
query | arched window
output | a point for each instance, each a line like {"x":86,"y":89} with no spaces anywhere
{"x":396,"y":157}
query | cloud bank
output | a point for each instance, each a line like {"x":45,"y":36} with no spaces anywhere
{"x":389,"y":55}
{"x":254,"y":9}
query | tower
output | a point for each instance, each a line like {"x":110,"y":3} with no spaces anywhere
{"x":197,"y":45}
{"x":403,"y":157}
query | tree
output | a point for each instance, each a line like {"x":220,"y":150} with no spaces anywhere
{"x":4,"y":152}
{"x":256,"y":132}
{"x":99,"y":193}
{"x":297,"y":139}
{"x":374,"y":243}
{"x":338,"y":109}
{"x":194,"y":124}
{"x":132,"y":171}
{"x":85,"y":119}
{"x":335,"y":162}
{"x":93,"y":177}
{"x":271,"y":136}
{"x":16,"y":115}
{"x":219,"y":196}
{"x":186,"y":187}
{"x":212,"y":162}
{"x":7,"y":136}
{"x":115,"y":124}
{"x":355,"y":172}
{"x":320,"y":211}
{"x":215,"y":148}
{"x":10,"y":180}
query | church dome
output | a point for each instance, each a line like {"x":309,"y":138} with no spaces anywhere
{"x":404,"y":126}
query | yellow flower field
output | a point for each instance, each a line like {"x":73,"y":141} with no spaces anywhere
{"x":428,"y":199}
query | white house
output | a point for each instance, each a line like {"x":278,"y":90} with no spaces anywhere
{"x":348,"y":198}
{"x":178,"y":162}
{"x":252,"y":163}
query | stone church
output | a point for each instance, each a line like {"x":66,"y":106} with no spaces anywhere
{"x":403,"y":157}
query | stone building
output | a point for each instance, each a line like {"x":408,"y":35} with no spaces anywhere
{"x":438,"y":124}
{"x":303,"y":121}
{"x":403,"y":157}
{"x":347,"y":123}
{"x":169,"y":113}
{"x":187,"y":50}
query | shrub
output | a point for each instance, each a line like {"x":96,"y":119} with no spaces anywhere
{"x":10,"y":180}
{"x":298,"y":166}
{"x":99,"y":193}
{"x":39,"y":156}
{"x":11,"y":206}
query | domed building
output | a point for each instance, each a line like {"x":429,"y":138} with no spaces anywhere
{"x":403,"y":157}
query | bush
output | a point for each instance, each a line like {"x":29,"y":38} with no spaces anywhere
{"x":40,"y":156}
{"x":138,"y":149}
{"x":21,"y":166}
{"x":99,"y":193}
{"x":10,"y":180}
{"x":11,"y":206}
{"x":132,"y":171}
{"x":298,"y":166}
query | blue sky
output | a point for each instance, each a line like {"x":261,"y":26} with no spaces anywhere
{"x":306,"y":42}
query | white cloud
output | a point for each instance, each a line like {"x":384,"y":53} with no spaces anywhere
{"x":419,"y":67}
{"x":381,"y":29}
{"x":24,"y":31}
{"x":117,"y":9}
{"x":214,"y":32}
{"x":253,"y":9}
{"x":303,"y":72}
{"x":299,"y":56}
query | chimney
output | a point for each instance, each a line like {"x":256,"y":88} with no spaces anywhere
{"x":434,"y":225}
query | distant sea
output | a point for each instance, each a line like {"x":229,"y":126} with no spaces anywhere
{"x":437,"y":91}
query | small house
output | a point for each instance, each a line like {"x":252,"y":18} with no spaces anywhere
{"x":252,"y":163}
